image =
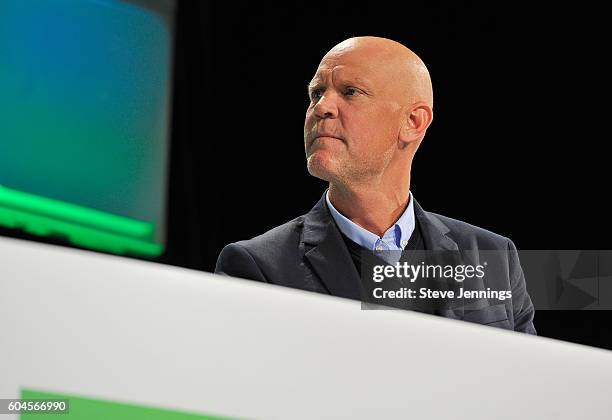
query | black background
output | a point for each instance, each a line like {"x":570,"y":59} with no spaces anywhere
{"x":517,"y":145}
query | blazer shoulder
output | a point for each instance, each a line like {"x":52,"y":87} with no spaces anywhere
{"x":279,"y":236}
{"x":465,"y":233}
{"x":268,"y":257}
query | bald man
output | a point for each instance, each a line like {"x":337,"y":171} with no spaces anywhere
{"x":371,"y":103}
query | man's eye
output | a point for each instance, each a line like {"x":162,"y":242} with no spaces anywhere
{"x":350,"y":92}
{"x":316,"y":94}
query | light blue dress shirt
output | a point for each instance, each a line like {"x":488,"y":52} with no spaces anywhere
{"x":395,"y":238}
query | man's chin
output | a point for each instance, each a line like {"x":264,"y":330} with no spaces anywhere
{"x":320,"y":166}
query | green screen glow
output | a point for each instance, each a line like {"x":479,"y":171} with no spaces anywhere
{"x":95,"y":409}
{"x":84,"y":116}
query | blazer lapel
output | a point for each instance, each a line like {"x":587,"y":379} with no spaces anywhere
{"x":329,"y":257}
{"x":436,"y":238}
{"x":434,"y":231}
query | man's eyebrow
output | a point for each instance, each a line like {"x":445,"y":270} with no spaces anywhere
{"x":360,"y":82}
{"x":349,"y":81}
{"x":314,"y":84}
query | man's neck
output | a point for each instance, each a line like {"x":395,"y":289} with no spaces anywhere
{"x":373,"y":209}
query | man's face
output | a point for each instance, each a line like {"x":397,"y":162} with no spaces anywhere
{"x":353,"y":120}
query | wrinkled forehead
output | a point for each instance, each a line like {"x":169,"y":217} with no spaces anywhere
{"x":369,"y":67}
{"x":356,"y":62}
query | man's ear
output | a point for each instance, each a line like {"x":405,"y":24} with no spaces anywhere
{"x":415,"y":122}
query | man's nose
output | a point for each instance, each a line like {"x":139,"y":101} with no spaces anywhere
{"x":326,"y":107}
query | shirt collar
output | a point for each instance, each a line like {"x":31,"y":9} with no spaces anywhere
{"x":399,"y":233}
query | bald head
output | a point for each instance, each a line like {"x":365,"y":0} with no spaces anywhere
{"x":370,"y":106}
{"x":402,"y":70}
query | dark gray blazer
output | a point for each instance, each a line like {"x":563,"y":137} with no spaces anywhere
{"x":309,"y":253}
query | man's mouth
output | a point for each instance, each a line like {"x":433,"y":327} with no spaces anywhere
{"x":328,"y":135}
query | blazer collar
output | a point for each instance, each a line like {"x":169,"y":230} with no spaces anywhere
{"x":435,"y":232}
{"x":329,"y":257}
{"x":331,"y":260}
